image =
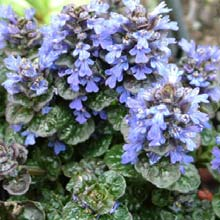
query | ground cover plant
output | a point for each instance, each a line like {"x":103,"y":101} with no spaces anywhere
{"x":100,"y":120}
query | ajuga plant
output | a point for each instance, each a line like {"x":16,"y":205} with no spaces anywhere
{"x":99,"y":120}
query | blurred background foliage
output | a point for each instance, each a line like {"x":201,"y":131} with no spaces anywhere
{"x":202,"y":17}
{"x":44,"y":8}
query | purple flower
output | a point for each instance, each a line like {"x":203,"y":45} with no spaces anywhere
{"x":40,"y":87}
{"x":160,"y":9}
{"x":153,"y":158}
{"x":73,"y":79}
{"x":15,"y":31}
{"x":164,"y":115}
{"x":131,"y":4}
{"x":29,"y":13}
{"x":115,"y":207}
{"x":30,"y":138}
{"x":216,"y":161}
{"x":24,"y":77}
{"x":140,"y":54}
{"x":77,"y":103}
{"x":81,"y":50}
{"x":13,"y":63}
{"x":165,"y":24}
{"x":201,"y":65}
{"x":114,"y":53}
{"x":83,"y":67}
{"x":16,"y":128}
{"x":98,"y":6}
{"x":142,"y":38}
{"x":82,"y":116}
{"x":11,"y":84}
{"x":7,"y":12}
{"x":116,"y":72}
{"x":102,"y":114}
{"x":178,"y":154}
{"x":124,"y":94}
{"x":131,"y":152}
{"x":140,"y":71}
{"x":90,"y":84}
{"x":46,"y":109}
{"x":53,"y":41}
{"x":58,"y":146}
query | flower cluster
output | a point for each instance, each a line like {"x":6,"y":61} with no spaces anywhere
{"x":201,"y":66}
{"x":24,"y":77}
{"x":165,"y":119}
{"x":96,"y":90}
{"x":93,"y":47}
{"x":216,"y":154}
{"x":16,"y":32}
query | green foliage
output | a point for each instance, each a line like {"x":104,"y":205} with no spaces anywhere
{"x":162,"y":174}
{"x":64,"y":90}
{"x":88,"y":180}
{"x":113,"y":161}
{"x":17,"y":114}
{"x":97,"y":147}
{"x":49,"y":124}
{"x":216,"y":204}
{"x":161,"y":197}
{"x":120,"y":213}
{"x":115,"y":116}
{"x":22,"y":210}
{"x":102,"y":99}
{"x":91,"y":185}
{"x":72,"y":211}
{"x":44,"y":8}
{"x":73,"y":133}
{"x":47,"y":161}
{"x":188,"y":181}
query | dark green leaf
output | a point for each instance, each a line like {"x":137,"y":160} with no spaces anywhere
{"x":65,"y":61}
{"x":216,"y":204}
{"x":11,"y":136}
{"x":188,"y":181}
{"x":163,"y":174}
{"x":18,"y":114}
{"x":98,"y":198}
{"x":161,"y":198}
{"x":116,"y":115}
{"x":18,"y":185}
{"x":203,"y":214}
{"x":113,"y":161}
{"x":136,"y":193}
{"x":75,"y":133}
{"x":20,"y":99}
{"x":114,"y":182}
{"x":47,"y":125}
{"x":86,"y":165}
{"x":32,"y":211}
{"x":102,"y":99}
{"x":208,"y":137}
{"x":73,"y":211}
{"x":64,"y":89}
{"x":97,"y":147}
{"x":165,"y":215}
{"x":134,"y":86}
{"x":41,"y":101}
{"x":121,"y":213}
{"x":124,"y":128}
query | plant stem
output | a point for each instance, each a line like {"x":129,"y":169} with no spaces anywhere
{"x":33,"y":170}
{"x":178,"y":16}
